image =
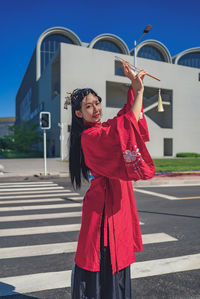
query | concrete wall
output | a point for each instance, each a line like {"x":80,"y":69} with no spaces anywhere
{"x":28,"y":81}
{"x":183,"y":81}
{"x":83,"y":67}
{"x":51,"y":105}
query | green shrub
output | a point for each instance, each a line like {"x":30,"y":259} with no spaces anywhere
{"x":12,"y":154}
{"x":183,"y":155}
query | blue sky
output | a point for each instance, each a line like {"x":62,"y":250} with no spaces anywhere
{"x":174,"y":23}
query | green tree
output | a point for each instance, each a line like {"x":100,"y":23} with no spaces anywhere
{"x":6,"y":142}
{"x":23,"y":137}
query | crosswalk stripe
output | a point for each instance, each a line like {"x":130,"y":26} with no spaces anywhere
{"x":64,"y":205}
{"x":62,"y":279}
{"x":35,"y":282}
{"x":29,"y":189}
{"x":37,"y":192}
{"x":39,"y":216}
{"x":42,"y":216}
{"x":155,"y":194}
{"x":63,"y":193}
{"x":165,"y":266}
{"x":67,"y":247}
{"x":39,"y":230}
{"x":37,"y":200}
{"x":157,"y":238}
{"x":27,"y":185}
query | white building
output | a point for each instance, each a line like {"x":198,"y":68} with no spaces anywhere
{"x":61,"y":62}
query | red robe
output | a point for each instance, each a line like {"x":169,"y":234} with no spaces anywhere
{"x":116,"y":154}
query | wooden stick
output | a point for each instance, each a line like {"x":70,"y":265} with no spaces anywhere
{"x":136,"y":69}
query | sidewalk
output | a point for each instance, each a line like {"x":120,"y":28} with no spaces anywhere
{"x":171,"y":179}
{"x":57,"y":167}
{"x":34,"y":166}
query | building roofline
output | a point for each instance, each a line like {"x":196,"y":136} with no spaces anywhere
{"x":158,"y":45}
{"x":179,"y":55}
{"x":113,"y":38}
{"x":54,"y":30}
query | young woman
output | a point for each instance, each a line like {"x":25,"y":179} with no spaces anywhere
{"x":115,"y":153}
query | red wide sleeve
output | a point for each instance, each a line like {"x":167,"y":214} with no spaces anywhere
{"x":117,"y":149}
{"x":142,"y":123}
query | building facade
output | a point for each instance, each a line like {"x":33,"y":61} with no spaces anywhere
{"x":5,"y":123}
{"x":61,"y":62}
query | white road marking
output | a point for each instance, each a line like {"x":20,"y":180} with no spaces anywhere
{"x":35,"y":282}
{"x":35,"y":192}
{"x":155,"y":194}
{"x":10,"y":190}
{"x":166,"y":266}
{"x":62,"y":279}
{"x":42,"y":216}
{"x":37,"y":250}
{"x":63,"y":193}
{"x":39,"y":216}
{"x":164,"y":195}
{"x":27,"y":185}
{"x":67,"y":247}
{"x":190,"y":197}
{"x":157,"y":238}
{"x":38,"y":200}
{"x":172,"y":185}
{"x":64,"y":205}
{"x":39,"y":230}
{"x":184,"y":198}
{"x":76,"y":197}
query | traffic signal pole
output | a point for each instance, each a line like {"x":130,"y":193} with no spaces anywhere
{"x":45,"y":123}
{"x":45,"y":152}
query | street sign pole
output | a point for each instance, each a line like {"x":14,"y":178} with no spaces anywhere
{"x":45,"y":152}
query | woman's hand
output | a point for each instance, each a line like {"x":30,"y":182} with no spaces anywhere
{"x":136,"y":79}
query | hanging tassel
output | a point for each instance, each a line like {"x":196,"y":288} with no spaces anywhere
{"x":160,"y":104}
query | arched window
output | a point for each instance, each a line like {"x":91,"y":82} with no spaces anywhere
{"x":150,"y":52}
{"x":49,"y":46}
{"x":190,"y":59}
{"x":107,"y":45}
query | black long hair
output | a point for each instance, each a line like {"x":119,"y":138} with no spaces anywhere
{"x":76,"y":158}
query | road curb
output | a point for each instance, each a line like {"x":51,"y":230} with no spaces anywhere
{"x":163,"y":179}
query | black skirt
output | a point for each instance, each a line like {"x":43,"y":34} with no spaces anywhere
{"x":101,"y":284}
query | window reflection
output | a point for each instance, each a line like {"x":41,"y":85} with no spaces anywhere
{"x":107,"y":45}
{"x":150,"y":52}
{"x":190,"y":59}
{"x":49,"y":46}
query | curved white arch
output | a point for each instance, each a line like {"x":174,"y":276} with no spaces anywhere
{"x":181,"y":54}
{"x":54,"y":30}
{"x":158,"y":45}
{"x":113,"y":38}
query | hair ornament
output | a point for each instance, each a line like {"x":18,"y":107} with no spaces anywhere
{"x":68,"y":100}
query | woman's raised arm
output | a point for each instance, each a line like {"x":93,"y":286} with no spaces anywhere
{"x":138,"y":88}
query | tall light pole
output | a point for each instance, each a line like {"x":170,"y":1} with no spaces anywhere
{"x":146,"y":30}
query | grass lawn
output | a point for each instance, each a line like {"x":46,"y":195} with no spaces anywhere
{"x":177,"y":164}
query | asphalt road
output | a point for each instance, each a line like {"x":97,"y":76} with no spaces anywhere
{"x":38,"y":238}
